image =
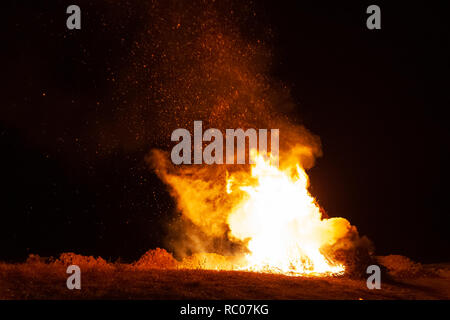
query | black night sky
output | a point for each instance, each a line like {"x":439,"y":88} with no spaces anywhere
{"x":73,"y":170}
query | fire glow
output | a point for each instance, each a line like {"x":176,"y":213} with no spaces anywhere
{"x":269,"y":210}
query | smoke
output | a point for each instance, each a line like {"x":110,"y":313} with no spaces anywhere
{"x":201,"y":60}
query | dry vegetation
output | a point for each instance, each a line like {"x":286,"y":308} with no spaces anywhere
{"x":157,"y":275}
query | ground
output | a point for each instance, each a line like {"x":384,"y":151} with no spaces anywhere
{"x":44,"y":280}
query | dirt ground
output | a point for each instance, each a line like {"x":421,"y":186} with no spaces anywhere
{"x":36,"y":280}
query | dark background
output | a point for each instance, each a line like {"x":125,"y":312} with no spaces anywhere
{"x":378,"y":100}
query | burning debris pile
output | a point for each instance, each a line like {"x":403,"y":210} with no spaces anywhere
{"x":267,"y":213}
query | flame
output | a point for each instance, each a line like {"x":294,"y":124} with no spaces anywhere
{"x":268,"y":210}
{"x":282,"y":222}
